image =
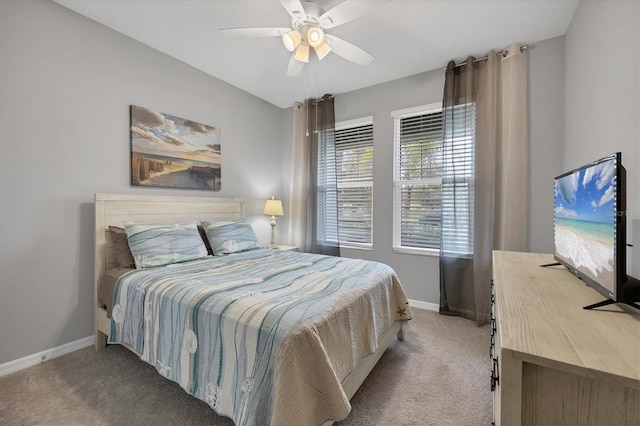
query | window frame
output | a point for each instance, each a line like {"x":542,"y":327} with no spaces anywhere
{"x":342,"y":125}
{"x":397,"y":116}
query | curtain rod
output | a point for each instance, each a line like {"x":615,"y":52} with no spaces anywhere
{"x":484,"y":58}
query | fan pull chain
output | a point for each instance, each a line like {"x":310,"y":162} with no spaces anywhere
{"x":308,"y":103}
{"x":317,"y":65}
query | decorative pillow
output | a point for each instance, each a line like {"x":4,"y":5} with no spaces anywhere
{"x":162,"y":244}
{"x":230,"y":237}
{"x":121,"y":247}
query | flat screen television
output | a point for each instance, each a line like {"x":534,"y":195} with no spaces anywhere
{"x":590,"y":226}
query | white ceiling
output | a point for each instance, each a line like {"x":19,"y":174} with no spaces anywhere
{"x":406,"y":37}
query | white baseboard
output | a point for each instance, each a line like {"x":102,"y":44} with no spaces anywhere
{"x":424,"y":305}
{"x":35,"y":359}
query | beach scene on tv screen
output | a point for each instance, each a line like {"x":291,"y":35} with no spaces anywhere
{"x":584,"y":221}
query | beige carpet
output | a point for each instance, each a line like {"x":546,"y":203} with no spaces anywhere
{"x":438,"y":376}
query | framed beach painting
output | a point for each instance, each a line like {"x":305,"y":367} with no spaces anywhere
{"x":173,"y":152}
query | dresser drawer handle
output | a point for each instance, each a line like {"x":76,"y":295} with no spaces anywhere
{"x":492,"y":346}
{"x":495,"y":378}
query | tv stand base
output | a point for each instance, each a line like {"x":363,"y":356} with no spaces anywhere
{"x":630,"y":295}
{"x":599,"y":304}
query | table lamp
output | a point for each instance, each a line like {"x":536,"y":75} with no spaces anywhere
{"x":273,"y":208}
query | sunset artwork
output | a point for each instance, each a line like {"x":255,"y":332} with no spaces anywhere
{"x":172,"y":152}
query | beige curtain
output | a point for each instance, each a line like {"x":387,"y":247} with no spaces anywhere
{"x":299,"y":176}
{"x":495,"y":89}
{"x":511,"y":176}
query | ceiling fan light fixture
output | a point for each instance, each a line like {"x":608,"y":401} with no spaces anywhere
{"x":291,"y":40}
{"x":302,"y":53}
{"x":309,"y":21}
{"x":322,"y":50}
{"x":315,"y":36}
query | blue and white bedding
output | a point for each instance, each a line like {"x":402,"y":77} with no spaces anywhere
{"x":264,"y":336}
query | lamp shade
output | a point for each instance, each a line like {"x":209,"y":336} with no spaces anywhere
{"x":302,"y":53}
{"x":273,"y":207}
{"x":315,"y":36}
{"x":291,"y":40}
{"x":322,"y":50}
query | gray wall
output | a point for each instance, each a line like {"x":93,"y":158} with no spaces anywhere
{"x":65,"y":87}
{"x":602,"y":96}
{"x":545,"y":90}
{"x":66,"y":84}
{"x":419,"y":274}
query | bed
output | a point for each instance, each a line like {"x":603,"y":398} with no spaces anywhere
{"x":202,"y":323}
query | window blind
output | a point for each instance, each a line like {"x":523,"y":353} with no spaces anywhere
{"x":433,"y":179}
{"x":353,"y":163}
{"x":457,"y":180}
{"x":327,"y":227}
{"x":417,"y":180}
{"x":354,"y":170}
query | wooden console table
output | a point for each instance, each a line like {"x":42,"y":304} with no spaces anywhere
{"x":555,"y":363}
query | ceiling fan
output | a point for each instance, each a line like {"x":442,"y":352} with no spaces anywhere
{"x":308,"y":24}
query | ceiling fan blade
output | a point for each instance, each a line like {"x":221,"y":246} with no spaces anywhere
{"x":347,"y":11}
{"x":295,"y":9}
{"x":348,"y":51}
{"x":295,"y":66}
{"x":255,"y":32}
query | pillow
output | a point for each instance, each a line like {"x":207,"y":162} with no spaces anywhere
{"x":121,"y":247}
{"x":162,"y":244}
{"x":230,"y":237}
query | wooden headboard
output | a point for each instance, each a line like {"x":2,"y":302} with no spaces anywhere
{"x":113,"y":209}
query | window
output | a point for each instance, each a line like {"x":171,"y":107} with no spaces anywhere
{"x":458,"y":179}
{"x":354,"y":182}
{"x":433,"y":179}
{"x":417,"y":188}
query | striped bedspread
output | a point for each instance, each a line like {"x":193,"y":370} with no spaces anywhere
{"x":263,"y":337}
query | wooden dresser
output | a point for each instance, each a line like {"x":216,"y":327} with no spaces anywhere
{"x":554,"y":363}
